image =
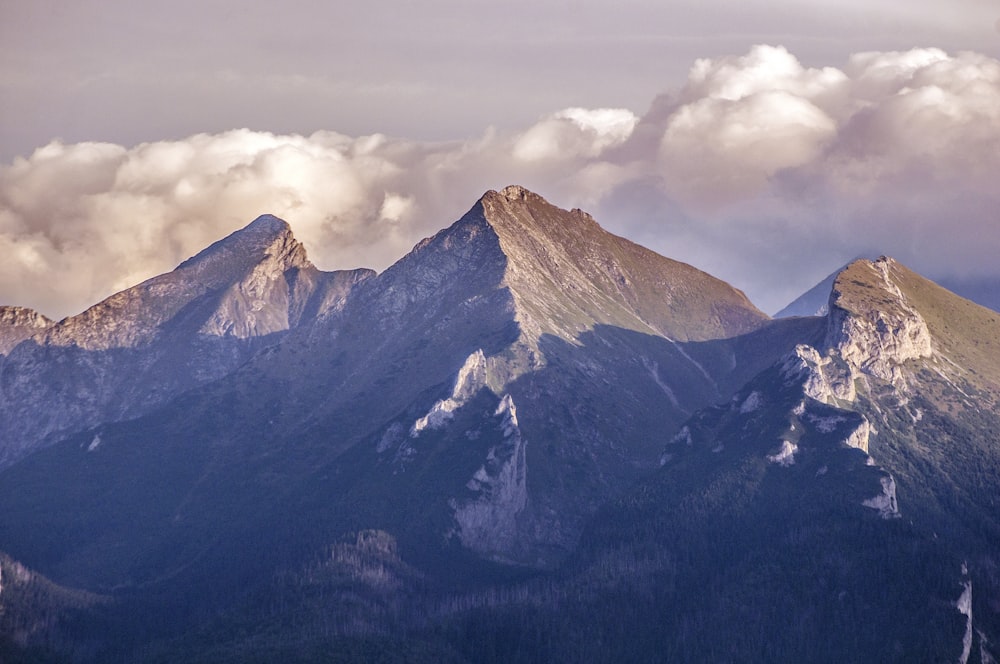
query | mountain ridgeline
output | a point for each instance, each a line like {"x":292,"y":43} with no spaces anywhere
{"x":527,"y":440}
{"x":143,"y":346}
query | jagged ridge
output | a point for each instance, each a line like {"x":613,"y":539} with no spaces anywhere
{"x":142,"y":346}
{"x":18,"y":324}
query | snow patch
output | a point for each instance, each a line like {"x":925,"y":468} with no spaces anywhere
{"x":786,"y":455}
{"x":885,"y":502}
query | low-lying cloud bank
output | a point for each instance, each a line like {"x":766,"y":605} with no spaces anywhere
{"x":764,"y":172}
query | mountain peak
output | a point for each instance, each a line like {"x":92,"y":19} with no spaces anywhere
{"x":869,"y":285}
{"x":873,"y":323}
{"x":513,"y":193}
{"x":265,"y":228}
{"x":570,"y":273}
{"x":266,"y":236}
{"x":268,"y":221}
{"x":517,"y":192}
{"x":515,"y":206}
{"x":247,"y":264}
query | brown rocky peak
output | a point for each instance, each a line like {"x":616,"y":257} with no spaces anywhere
{"x":19,"y":323}
{"x":267,"y":238}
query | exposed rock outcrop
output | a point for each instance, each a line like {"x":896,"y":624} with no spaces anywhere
{"x":824,"y":378}
{"x":487,"y":523}
{"x":885,"y":502}
{"x":470,"y":379}
{"x":872,"y":327}
{"x":18,"y":324}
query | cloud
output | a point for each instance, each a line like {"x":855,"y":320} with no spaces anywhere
{"x":790,"y":170}
{"x":761,"y":170}
{"x":574,"y":133}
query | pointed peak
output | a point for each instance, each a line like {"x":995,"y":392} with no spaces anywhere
{"x":516,"y":207}
{"x":514,"y":193}
{"x":601,"y":277}
{"x":866,"y":281}
{"x":267,"y":224}
{"x":267,"y":235}
{"x":261,"y":232}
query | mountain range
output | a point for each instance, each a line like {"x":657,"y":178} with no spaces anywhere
{"x":527,"y":440}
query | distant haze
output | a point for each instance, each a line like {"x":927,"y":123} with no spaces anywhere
{"x":865,"y":128}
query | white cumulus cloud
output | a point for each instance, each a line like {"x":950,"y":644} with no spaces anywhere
{"x":759,"y":169}
{"x":574,"y":133}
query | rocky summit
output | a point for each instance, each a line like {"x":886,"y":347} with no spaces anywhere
{"x":147,"y":344}
{"x":527,"y":440}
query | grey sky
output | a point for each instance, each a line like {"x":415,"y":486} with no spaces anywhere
{"x":126,"y":71}
{"x":766,"y":166}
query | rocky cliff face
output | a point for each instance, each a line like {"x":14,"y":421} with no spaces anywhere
{"x":873,"y":337}
{"x":142,"y":346}
{"x":19,"y":323}
{"x":899,"y":356}
{"x":872,"y":325}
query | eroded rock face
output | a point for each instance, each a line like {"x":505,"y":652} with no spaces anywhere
{"x":885,"y":502}
{"x":964,"y":606}
{"x":859,"y":437}
{"x":18,"y":324}
{"x":872,"y":326}
{"x":872,"y":332}
{"x":470,"y":379}
{"x":823,"y":377}
{"x":487,"y":523}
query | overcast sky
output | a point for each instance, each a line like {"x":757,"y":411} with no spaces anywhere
{"x":765,"y":142}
